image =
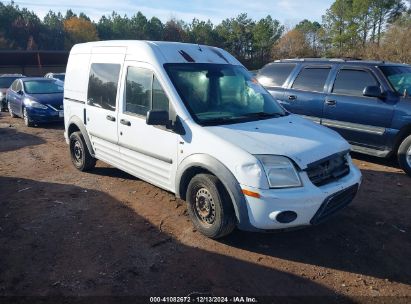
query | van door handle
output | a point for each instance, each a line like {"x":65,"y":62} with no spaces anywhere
{"x":111,"y":118}
{"x":330,"y":102}
{"x":292,"y":97}
{"x":125,"y":122}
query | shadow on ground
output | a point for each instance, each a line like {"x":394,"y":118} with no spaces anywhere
{"x":65,"y":240}
{"x":11,"y":139}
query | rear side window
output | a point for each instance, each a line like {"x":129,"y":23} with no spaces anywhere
{"x":311,"y":79}
{"x":275,"y":74}
{"x":353,"y":82}
{"x":102,"y":85}
{"x":143,"y":92}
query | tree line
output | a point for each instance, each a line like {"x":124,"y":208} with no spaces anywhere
{"x":377,"y":29}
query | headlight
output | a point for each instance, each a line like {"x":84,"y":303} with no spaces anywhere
{"x":280,"y":171}
{"x":1,"y":95}
{"x":34,"y":104}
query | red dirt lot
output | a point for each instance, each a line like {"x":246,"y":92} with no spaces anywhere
{"x":63,"y":232}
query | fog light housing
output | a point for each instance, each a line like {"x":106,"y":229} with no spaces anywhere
{"x":286,"y":217}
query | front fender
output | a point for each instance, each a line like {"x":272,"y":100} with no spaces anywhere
{"x":229,"y":181}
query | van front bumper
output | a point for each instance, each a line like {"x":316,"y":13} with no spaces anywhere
{"x":310,"y":203}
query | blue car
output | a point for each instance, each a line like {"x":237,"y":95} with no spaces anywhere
{"x":36,"y":100}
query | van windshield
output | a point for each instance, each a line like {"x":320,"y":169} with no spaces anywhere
{"x":221,"y":93}
{"x":399,"y":77}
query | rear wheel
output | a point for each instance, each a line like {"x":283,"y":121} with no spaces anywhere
{"x":404,"y":155}
{"x":10,"y":110}
{"x":209,"y":206}
{"x":27,"y":121}
{"x":80,"y":156}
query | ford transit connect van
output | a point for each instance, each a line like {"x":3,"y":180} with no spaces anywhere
{"x":192,"y":120}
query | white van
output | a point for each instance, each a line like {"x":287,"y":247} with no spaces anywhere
{"x":192,"y":120}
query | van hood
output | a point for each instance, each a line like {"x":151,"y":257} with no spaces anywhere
{"x":294,"y":137}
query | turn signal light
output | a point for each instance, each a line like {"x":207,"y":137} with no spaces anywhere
{"x":251,"y":193}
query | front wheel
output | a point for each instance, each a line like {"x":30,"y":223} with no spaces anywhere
{"x":404,"y":155}
{"x":27,"y":121}
{"x":80,"y":156}
{"x":209,"y":206}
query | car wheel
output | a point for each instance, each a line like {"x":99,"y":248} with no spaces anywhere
{"x":404,"y":155}
{"x":80,"y":156}
{"x":10,"y":110}
{"x":3,"y":106}
{"x":210,"y":207}
{"x":27,"y":120}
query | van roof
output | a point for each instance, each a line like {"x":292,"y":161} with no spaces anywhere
{"x":158,"y":51}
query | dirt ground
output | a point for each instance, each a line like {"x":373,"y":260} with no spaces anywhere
{"x":63,"y":232}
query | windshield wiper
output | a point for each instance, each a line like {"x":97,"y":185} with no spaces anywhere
{"x":218,"y":120}
{"x":262,"y":115}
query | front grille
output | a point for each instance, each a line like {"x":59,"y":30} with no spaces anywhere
{"x":334,"y":203}
{"x":328,"y":170}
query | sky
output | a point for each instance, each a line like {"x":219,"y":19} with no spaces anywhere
{"x":288,"y":12}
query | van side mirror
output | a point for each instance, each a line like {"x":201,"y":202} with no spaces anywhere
{"x":20,"y":92}
{"x":157,"y":118}
{"x":373,"y":91}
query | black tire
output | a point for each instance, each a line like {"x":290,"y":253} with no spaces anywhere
{"x":3,"y":106}
{"x":210,"y":207}
{"x":80,"y":155}
{"x":11,"y":111}
{"x":404,"y":155}
{"x":27,"y":121}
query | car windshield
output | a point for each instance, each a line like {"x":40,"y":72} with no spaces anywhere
{"x":43,"y":86}
{"x":399,"y":77}
{"x":221,"y":93}
{"x":5,"y":82}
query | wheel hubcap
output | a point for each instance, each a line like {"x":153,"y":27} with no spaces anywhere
{"x":77,"y":152}
{"x":204,"y":206}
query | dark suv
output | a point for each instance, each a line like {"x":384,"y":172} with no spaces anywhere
{"x":367,"y":102}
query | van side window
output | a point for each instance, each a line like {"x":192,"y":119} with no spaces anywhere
{"x":138,"y":90}
{"x":102,"y":85}
{"x":353,"y":82}
{"x":143,"y":92}
{"x":311,"y":79}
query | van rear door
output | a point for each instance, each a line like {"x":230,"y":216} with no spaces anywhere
{"x":102,"y":107}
